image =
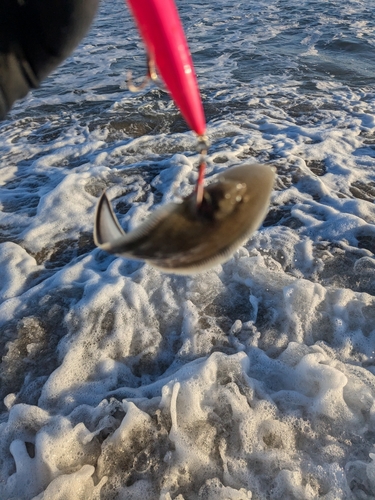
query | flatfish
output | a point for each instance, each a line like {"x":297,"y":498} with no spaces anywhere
{"x":184,"y":238}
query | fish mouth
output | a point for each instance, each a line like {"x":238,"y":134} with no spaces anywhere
{"x":182,"y":238}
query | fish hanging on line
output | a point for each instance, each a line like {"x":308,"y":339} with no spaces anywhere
{"x":182,"y":238}
{"x":210,"y":224}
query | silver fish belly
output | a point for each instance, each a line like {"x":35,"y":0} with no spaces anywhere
{"x":183,"y":238}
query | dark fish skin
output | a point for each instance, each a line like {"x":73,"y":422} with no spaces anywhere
{"x":181,"y":238}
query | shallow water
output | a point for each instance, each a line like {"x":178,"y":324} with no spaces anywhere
{"x":253,"y":380}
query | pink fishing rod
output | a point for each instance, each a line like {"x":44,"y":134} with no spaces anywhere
{"x":160,"y":27}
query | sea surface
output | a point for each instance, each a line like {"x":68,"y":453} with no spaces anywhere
{"x":254,"y":380}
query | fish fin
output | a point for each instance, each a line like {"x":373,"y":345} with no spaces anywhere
{"x":107,"y":228}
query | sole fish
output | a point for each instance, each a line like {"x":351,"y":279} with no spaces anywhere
{"x":183,"y":238}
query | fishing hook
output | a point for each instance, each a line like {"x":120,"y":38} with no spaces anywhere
{"x":150,"y":75}
{"x":202,"y":148}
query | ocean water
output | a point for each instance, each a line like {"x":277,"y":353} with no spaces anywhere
{"x":254,"y":380}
